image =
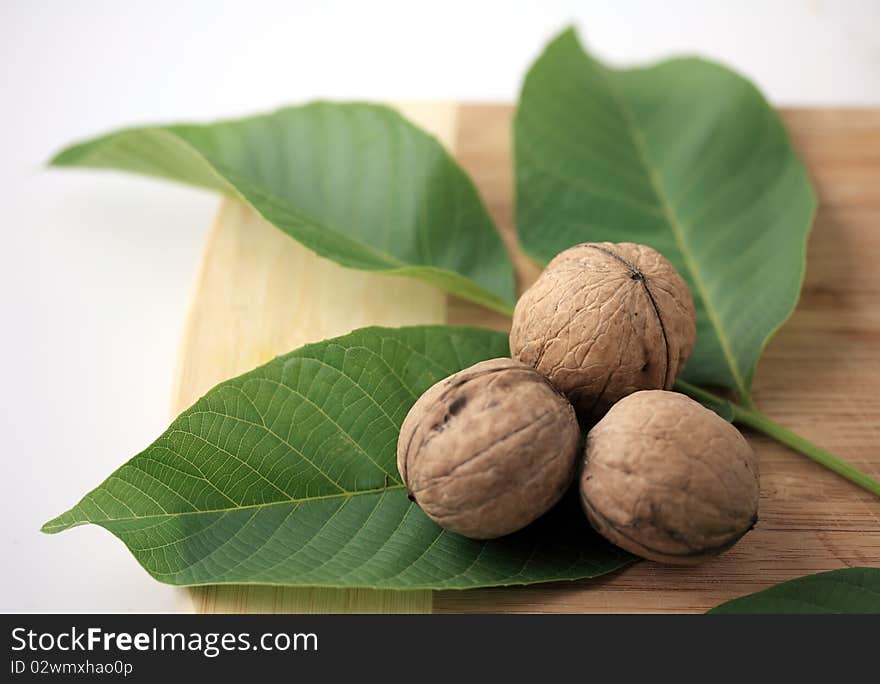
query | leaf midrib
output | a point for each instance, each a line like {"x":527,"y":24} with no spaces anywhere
{"x":641,"y":148}
{"x":48,"y":527}
{"x":232,"y":182}
{"x":357,"y":254}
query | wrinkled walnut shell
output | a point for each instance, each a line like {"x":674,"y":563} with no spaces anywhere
{"x":488,"y":450}
{"x":605,"y":320}
{"x":667,"y":479}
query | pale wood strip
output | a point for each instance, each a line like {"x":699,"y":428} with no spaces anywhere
{"x":258,"y":294}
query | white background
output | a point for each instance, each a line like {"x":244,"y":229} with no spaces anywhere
{"x":95,"y":269}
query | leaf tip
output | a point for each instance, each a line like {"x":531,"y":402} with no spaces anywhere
{"x":51,"y":527}
{"x":569,"y":33}
{"x":66,"y":157}
{"x":59,"y":524}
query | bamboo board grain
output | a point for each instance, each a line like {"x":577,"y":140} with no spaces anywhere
{"x":818,"y":376}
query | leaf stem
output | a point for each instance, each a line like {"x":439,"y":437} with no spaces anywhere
{"x":758,"y":421}
{"x":747,"y":403}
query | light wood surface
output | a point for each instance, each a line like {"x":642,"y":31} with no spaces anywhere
{"x":260,"y":294}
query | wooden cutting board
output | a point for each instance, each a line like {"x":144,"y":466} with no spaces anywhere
{"x":259,"y":294}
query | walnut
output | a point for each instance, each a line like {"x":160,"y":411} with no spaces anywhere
{"x":668,"y":479}
{"x":488,"y":450}
{"x":604,"y":320}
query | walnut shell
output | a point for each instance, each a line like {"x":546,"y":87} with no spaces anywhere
{"x":668,"y":479}
{"x":605,"y":320}
{"x":488,"y":450}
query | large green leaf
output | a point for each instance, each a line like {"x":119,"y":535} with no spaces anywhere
{"x":287,"y":475}
{"x":356,"y":183}
{"x":851,"y":590}
{"x":685,"y":156}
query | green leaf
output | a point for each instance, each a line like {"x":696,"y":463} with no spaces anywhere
{"x":851,"y":590}
{"x":685,"y":156}
{"x":287,"y":475}
{"x":355,"y":183}
{"x":723,"y":407}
